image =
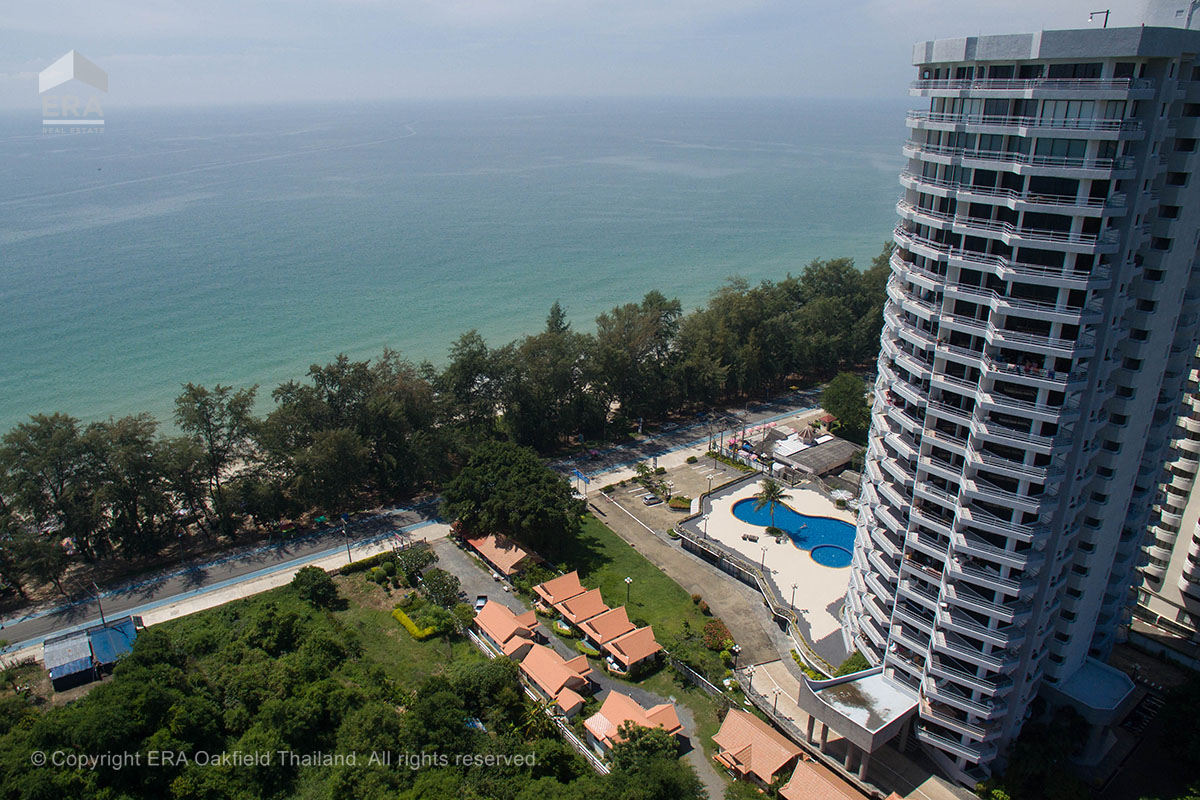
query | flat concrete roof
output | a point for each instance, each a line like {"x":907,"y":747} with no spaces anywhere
{"x":871,"y":701}
{"x":1076,"y":44}
{"x":1098,"y":685}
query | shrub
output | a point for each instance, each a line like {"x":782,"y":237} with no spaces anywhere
{"x":695,"y":599}
{"x":612,"y":487}
{"x":660,"y":470}
{"x":590,"y":652}
{"x":388,"y":567}
{"x":315,"y":587}
{"x":841,"y":503}
{"x":692,"y":459}
{"x":420,"y":634}
{"x":680,"y":503}
{"x":362,"y":565}
{"x":716,"y":635}
{"x":377,"y":575}
{"x":856,"y":662}
{"x":704,"y":608}
{"x":773,"y":531}
{"x":441,"y":587}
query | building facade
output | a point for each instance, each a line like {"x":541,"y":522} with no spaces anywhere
{"x":1041,"y":319}
{"x":1169,"y":597}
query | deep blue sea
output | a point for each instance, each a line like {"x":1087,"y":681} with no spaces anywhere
{"x":242,"y":245}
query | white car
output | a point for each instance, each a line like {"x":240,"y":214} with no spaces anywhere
{"x":651,"y":500}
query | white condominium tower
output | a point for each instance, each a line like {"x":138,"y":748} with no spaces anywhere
{"x":1169,"y":597}
{"x":1041,"y":318}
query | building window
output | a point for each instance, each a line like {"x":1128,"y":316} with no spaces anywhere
{"x":1160,"y":243}
{"x":1185,"y":145}
{"x":1168,"y":212}
{"x":1177,"y":179}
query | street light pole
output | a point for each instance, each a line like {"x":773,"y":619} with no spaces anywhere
{"x":793,"y":603}
{"x":99,"y":604}
{"x":628,"y":583}
{"x":775,"y":707}
{"x":736,"y":650}
{"x":346,"y":536}
{"x":763,"y":564}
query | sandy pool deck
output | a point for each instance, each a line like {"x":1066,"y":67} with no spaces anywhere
{"x":819,"y":590}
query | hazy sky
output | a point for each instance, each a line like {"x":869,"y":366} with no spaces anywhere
{"x":237,"y":51}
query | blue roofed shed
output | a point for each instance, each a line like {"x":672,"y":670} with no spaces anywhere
{"x":77,"y":657}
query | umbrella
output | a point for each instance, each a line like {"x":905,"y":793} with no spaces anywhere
{"x":841,"y":494}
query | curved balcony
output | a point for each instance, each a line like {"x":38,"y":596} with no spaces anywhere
{"x":1008,"y":233}
{"x":968,"y":599}
{"x":972,"y":545}
{"x":1001,"y":684}
{"x":1003,"y":304}
{"x":965,"y":570}
{"x":956,"y":749}
{"x":963,"y":652}
{"x":909,"y":300}
{"x":953,"y":120}
{"x":982,"y":489}
{"x":922,"y":340}
{"x":1012,"y":469}
{"x":1041,"y":411}
{"x":1033,"y":375}
{"x":1004,"y":267}
{"x":1072,"y":85}
{"x":915,"y":273}
{"x":1105,"y":166}
{"x":1010,"y":197}
{"x":990,"y":523}
{"x":986,"y":709}
{"x":954,"y":620}
{"x":1013,"y":437}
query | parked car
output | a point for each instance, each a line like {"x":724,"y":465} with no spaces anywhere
{"x":651,"y":500}
{"x":480,"y":602}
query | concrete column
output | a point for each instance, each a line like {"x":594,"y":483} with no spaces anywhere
{"x":812,"y":721}
{"x":824,"y":736}
{"x":903,"y":744}
{"x":862,"y":765}
{"x":849,"y":755}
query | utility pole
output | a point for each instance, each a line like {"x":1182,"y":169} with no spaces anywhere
{"x":99,"y":604}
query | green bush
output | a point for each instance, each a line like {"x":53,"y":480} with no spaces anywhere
{"x":315,"y":587}
{"x":420,"y":634}
{"x":389,"y":567}
{"x":856,"y":662}
{"x":696,"y":599}
{"x":590,"y":652}
{"x":365,"y":564}
{"x":680,"y":503}
{"x":660,"y":470}
{"x":703,"y":608}
{"x":612,"y":487}
{"x":692,"y":459}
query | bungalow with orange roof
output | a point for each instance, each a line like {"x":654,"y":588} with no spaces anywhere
{"x":557,"y":679}
{"x":581,"y":607}
{"x":603,"y":727}
{"x":604,"y":627}
{"x":556,"y":590}
{"x":502,"y":554}
{"x":632,"y":651}
{"x":506,"y":632}
{"x":751,"y":749}
{"x":813,"y":781}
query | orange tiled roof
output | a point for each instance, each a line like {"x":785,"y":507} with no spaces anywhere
{"x":501,"y":552}
{"x":561,"y":588}
{"x":504,"y":627}
{"x":582,"y":606}
{"x":632,"y":647}
{"x":551,"y":672}
{"x":812,"y":781}
{"x":605,"y":627}
{"x":751,"y":746}
{"x":619,"y":709}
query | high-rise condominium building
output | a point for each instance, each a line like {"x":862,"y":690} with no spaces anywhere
{"x":1041,"y":318}
{"x":1169,"y":597}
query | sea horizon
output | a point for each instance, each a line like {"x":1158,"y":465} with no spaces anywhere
{"x":241,"y":245}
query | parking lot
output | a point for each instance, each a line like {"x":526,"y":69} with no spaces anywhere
{"x":688,"y":480}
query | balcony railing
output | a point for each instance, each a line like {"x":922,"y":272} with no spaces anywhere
{"x":914,"y":149}
{"x":1059,"y":123}
{"x":987,"y":710}
{"x":1109,"y":237}
{"x":1117,"y":200}
{"x":909,"y":240}
{"x":974,"y":546}
{"x":1055,"y":84}
{"x":1018,"y":371}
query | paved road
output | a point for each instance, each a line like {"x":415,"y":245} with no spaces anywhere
{"x":195,"y":578}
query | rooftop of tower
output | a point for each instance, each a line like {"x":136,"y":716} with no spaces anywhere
{"x":1141,"y":41}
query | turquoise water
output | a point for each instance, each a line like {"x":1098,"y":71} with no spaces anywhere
{"x":829,"y":541}
{"x":242,"y":245}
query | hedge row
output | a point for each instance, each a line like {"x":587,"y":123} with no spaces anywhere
{"x":420,"y":634}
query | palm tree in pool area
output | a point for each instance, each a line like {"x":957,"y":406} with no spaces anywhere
{"x":770,"y":494}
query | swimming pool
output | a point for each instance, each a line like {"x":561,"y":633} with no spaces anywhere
{"x":829,"y":541}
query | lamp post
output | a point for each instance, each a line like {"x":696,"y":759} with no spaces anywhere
{"x":736,"y":650}
{"x":750,"y":678}
{"x":705,"y":518}
{"x":99,"y":604}
{"x":346,"y":536}
{"x":763,"y":564}
{"x":793,"y":603}
{"x":775,"y":706}
{"x":628,"y":583}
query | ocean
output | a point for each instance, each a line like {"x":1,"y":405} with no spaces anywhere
{"x":241,"y":245}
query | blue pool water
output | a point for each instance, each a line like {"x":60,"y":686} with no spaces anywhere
{"x":829,"y":541}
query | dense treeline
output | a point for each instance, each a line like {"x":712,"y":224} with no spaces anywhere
{"x":278,"y":697}
{"x":383,"y":429}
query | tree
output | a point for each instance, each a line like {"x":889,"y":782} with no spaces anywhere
{"x":845,"y":399}
{"x":220,"y":421}
{"x":770,"y":494}
{"x":441,"y":587}
{"x":331,"y":468}
{"x":637,"y":745}
{"x":131,"y":473}
{"x":315,"y":587}
{"x":855,"y":662}
{"x":412,"y":561}
{"x":49,"y":475}
{"x":506,"y":489}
